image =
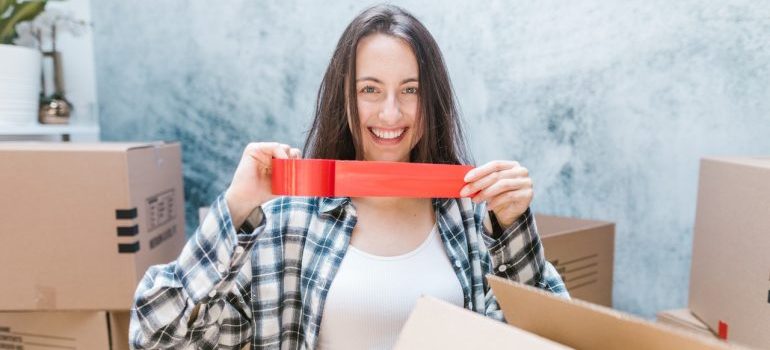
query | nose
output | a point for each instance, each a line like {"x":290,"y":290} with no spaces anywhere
{"x":390,"y":111}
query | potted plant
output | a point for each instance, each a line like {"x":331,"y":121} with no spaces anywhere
{"x":19,"y":66}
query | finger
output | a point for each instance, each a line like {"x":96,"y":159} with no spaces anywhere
{"x":295,"y":153}
{"x":504,"y":185}
{"x":261,"y":152}
{"x":509,"y":199}
{"x":282,"y":151}
{"x":486,"y":169}
{"x":486,"y":181}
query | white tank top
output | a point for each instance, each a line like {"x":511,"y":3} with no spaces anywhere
{"x":371,"y":296}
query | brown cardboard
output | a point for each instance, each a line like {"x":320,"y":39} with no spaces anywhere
{"x":63,"y":330}
{"x":436,"y":324}
{"x":68,"y":210}
{"x":582,"y":252}
{"x":539,"y":320}
{"x":730,"y":274}
{"x":684,"y":319}
{"x":583,"y":325}
{"x":119,"y":323}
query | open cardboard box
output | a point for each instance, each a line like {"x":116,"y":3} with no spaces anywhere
{"x":82,"y":222}
{"x":539,"y":320}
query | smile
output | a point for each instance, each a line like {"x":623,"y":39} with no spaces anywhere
{"x":387,"y":134}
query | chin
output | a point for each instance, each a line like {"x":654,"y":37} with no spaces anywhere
{"x":387,"y":157}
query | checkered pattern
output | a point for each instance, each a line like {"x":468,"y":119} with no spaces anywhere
{"x":267,"y":288}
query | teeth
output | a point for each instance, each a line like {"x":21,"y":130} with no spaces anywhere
{"x":388,"y":134}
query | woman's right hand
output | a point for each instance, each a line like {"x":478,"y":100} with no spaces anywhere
{"x":251,"y":185}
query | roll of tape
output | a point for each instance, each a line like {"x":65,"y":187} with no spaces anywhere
{"x":347,"y":178}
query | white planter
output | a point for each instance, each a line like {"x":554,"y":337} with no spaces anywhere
{"x":19,"y":85}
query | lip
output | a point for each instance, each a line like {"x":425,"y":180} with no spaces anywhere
{"x":382,"y":141}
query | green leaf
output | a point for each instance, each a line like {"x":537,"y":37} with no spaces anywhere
{"x":4,"y":6}
{"x":25,"y":11}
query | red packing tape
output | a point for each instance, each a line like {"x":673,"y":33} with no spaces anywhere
{"x":722,"y":330}
{"x":349,"y":178}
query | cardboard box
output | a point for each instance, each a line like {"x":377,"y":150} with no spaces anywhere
{"x":729,"y":281}
{"x":684,"y":319}
{"x":539,"y":320}
{"x":582,"y":252}
{"x":86,"y":330}
{"x":437,"y":324}
{"x":81,"y":223}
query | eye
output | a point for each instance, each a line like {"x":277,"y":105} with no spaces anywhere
{"x":410,"y":90}
{"x":368,"y":90}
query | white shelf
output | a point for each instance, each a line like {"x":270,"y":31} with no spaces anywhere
{"x":39,"y":129}
{"x":65,"y":132}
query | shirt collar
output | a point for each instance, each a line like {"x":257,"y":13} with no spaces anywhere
{"x":328,"y":204}
{"x":443,"y":203}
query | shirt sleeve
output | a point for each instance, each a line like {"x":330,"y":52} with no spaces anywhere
{"x":201,"y":300}
{"x":517,"y":254}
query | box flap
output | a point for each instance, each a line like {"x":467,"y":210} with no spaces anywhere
{"x":436,"y":324}
{"x":683,"y":318}
{"x":584,"y":325}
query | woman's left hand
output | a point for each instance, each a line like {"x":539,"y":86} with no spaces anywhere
{"x":504,"y":185}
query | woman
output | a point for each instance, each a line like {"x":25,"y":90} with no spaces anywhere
{"x":309,"y":272}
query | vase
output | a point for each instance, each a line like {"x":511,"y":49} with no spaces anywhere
{"x":55,"y":108}
{"x":19,"y":85}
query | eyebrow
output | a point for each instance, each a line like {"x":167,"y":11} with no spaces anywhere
{"x":407,"y":80}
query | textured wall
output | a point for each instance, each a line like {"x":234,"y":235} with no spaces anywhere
{"x":610,"y":105}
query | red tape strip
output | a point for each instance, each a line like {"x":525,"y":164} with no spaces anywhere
{"x":722,"y":330}
{"x":347,"y":178}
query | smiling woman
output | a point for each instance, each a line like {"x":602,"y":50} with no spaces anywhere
{"x":387,"y":62}
{"x":339,"y":272}
{"x":387,"y":101}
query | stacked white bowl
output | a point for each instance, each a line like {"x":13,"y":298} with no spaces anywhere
{"x":19,"y":85}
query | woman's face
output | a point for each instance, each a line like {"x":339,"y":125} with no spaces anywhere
{"x":387,"y":98}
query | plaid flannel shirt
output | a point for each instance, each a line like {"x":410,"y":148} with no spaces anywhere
{"x":267,"y":287}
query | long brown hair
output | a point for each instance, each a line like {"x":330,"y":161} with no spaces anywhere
{"x":442,"y":138}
